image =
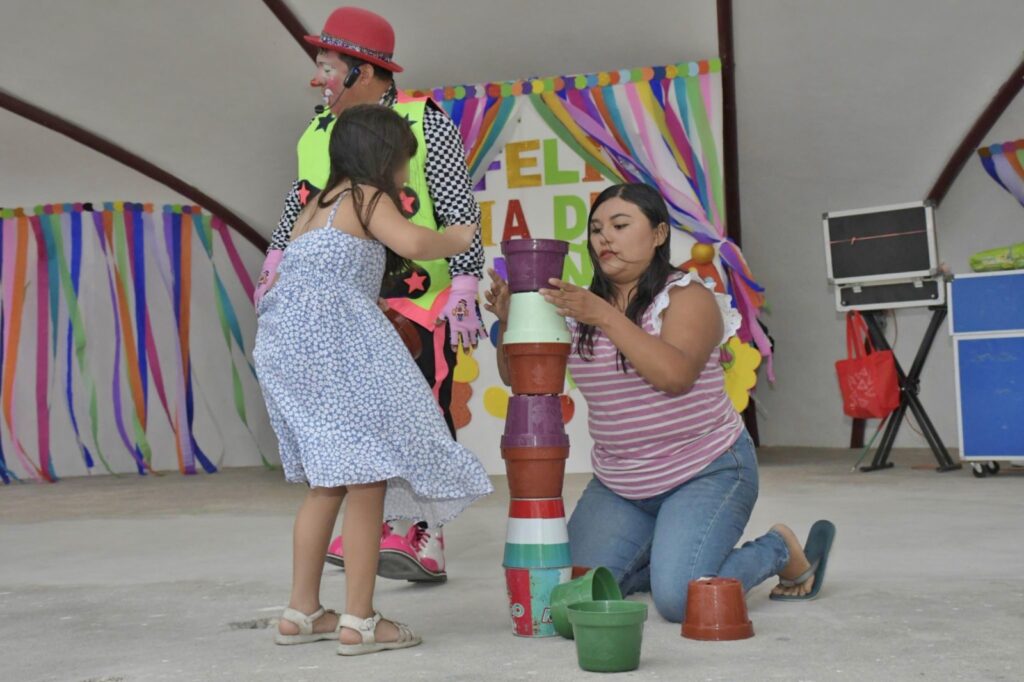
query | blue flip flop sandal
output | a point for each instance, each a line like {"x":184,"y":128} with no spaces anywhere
{"x":817,"y":549}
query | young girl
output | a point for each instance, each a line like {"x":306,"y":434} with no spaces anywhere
{"x":353,"y":414}
{"x":675,"y":471}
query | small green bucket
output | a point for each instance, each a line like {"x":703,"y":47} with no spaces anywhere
{"x":595,"y":585}
{"x":608,"y":634}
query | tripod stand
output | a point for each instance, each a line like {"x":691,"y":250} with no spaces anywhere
{"x":910,"y":384}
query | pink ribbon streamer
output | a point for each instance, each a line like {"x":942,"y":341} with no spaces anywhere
{"x":42,"y":356}
{"x":236,"y":260}
{"x":151,"y":352}
{"x":660,"y":165}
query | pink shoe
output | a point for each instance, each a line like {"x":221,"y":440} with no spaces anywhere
{"x":336,"y":553}
{"x":416,"y":557}
{"x":336,"y":550}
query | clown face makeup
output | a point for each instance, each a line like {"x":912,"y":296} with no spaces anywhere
{"x":330,"y":76}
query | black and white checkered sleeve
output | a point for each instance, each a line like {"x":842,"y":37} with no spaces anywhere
{"x":451,"y":189}
{"x":292,"y":206}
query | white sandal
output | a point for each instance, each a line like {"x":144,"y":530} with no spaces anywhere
{"x":305,"y":625}
{"x":367,"y":627}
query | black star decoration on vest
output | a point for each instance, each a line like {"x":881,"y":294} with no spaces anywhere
{"x":324,"y":121}
{"x":410,"y":121}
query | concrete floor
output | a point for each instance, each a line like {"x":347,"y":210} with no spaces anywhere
{"x":172,"y":579}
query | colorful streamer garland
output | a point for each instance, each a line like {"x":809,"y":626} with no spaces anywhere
{"x":1005,"y":163}
{"x":653,"y":125}
{"x":124,"y":233}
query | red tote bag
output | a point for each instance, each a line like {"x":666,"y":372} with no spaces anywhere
{"x":867,"y":378}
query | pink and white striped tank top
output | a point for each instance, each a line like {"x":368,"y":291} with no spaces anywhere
{"x":647,"y":442}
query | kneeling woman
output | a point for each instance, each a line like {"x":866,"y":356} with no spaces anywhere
{"x":675,"y":470}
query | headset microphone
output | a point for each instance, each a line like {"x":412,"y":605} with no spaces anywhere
{"x":352,"y":77}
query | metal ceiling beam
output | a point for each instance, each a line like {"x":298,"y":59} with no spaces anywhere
{"x":113,"y":151}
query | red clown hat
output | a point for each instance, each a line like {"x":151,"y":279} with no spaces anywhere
{"x":361,"y":34}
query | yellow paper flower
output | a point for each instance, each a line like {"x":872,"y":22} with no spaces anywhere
{"x":740,"y":371}
{"x":496,"y":401}
{"x":467,"y":369}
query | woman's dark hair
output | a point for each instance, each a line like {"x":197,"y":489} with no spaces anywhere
{"x":368,"y":146}
{"x":651,"y":204}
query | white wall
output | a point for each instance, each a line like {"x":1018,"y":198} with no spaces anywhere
{"x":854,"y":104}
{"x":201,"y":89}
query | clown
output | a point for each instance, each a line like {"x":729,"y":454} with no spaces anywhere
{"x":355,"y":66}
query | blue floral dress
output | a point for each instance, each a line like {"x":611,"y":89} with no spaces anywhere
{"x":345,"y":398}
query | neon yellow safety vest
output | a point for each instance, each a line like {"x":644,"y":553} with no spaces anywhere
{"x":430,"y":278}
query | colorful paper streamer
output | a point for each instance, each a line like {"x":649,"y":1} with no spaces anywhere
{"x":656,"y":125}
{"x":1005,"y":163}
{"x":126,"y":242}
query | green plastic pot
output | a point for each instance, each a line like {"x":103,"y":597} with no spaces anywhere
{"x":595,"y":585}
{"x":608,"y":634}
{"x":531,"y":319}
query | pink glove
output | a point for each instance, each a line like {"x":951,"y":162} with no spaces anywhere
{"x":462,"y":313}
{"x":268,"y":274}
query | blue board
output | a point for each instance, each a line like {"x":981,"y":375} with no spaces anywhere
{"x":988,"y":303}
{"x":991,"y":388}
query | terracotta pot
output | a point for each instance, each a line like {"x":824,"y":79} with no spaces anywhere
{"x":406,"y":330}
{"x":536,"y":472}
{"x":532,"y":262}
{"x":537,"y":368}
{"x":716,"y":610}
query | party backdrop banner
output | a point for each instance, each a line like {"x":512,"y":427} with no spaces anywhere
{"x":539,"y":151}
{"x":658,"y":125}
{"x":98,"y":306}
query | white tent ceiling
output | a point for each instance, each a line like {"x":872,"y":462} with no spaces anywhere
{"x":215,"y":91}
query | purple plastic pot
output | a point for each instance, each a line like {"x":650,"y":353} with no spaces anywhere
{"x":535,"y":415}
{"x":551,"y":440}
{"x":532,"y":262}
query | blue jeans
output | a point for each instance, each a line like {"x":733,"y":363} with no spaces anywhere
{"x":662,"y":543}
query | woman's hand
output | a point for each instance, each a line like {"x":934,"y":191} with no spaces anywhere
{"x":498,"y":297}
{"x":578,"y":303}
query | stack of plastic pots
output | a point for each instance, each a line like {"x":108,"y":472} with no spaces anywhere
{"x":536,"y":561}
{"x":535,"y":445}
